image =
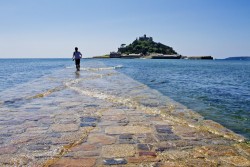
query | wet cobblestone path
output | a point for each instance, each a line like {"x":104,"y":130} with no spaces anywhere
{"x":125,"y":137}
{"x":103,"y":127}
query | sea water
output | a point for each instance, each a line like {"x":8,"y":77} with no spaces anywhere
{"x":219,"y":90}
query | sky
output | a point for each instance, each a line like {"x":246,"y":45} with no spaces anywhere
{"x":53,"y":28}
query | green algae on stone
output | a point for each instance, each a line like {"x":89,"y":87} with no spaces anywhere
{"x":236,"y":160}
{"x":218,"y":129}
{"x":216,"y":150}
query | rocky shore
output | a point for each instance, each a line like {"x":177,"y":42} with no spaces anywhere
{"x":112,"y":126}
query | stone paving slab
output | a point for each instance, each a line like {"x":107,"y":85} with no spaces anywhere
{"x":64,"y":127}
{"x":128,"y":129}
{"x":82,"y":162}
{"x":118,"y":150}
{"x":101,"y":139}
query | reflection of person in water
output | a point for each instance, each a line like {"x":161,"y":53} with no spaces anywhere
{"x":77,"y":57}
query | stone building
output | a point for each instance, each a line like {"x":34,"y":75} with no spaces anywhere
{"x":145,"y":38}
{"x":115,"y":55}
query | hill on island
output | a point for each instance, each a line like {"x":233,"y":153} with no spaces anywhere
{"x":145,"y":45}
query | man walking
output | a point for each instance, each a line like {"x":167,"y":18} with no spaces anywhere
{"x":77,"y":57}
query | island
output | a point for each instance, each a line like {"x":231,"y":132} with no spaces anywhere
{"x":238,"y":58}
{"x":146,"y":48}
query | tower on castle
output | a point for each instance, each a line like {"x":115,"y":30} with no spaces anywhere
{"x":145,"y":38}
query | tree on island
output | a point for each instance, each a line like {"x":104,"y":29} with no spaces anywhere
{"x":123,"y":45}
{"x":146,"y":45}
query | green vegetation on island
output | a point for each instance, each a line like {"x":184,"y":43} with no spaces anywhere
{"x":103,"y":56}
{"x":145,"y":45}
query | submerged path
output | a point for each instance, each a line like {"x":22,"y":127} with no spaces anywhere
{"x":104,"y":118}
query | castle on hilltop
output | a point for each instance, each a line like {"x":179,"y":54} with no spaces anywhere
{"x":145,"y":47}
{"x":145,"y":38}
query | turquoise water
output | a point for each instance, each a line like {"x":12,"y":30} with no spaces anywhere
{"x":218,"y":90}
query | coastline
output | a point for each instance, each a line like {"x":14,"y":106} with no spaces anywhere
{"x":131,"y":125}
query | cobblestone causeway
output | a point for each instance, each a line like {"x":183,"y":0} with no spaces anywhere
{"x":122,"y":129}
{"x":152,"y":143}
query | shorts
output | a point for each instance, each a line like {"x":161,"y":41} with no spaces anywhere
{"x":77,"y":61}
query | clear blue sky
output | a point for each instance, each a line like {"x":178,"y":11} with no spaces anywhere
{"x":52,"y":28}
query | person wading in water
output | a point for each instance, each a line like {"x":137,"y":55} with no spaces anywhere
{"x":77,"y":57}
